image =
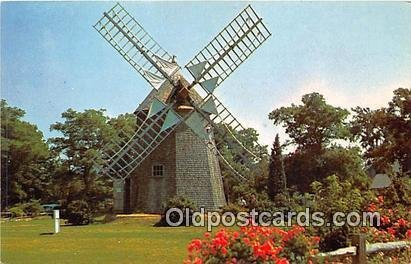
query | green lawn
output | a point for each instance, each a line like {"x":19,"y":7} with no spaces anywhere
{"x":131,"y":240}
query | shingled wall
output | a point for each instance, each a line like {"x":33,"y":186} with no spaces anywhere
{"x":190,"y":170}
{"x":147,"y":192}
{"x":198,"y":175}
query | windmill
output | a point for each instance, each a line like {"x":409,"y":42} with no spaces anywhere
{"x":172,"y":151}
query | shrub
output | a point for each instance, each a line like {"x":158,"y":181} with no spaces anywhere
{"x":263,"y":203}
{"x":78,"y":213}
{"x":334,"y":239}
{"x":299,"y":248}
{"x":16,"y":211}
{"x":233,"y":208}
{"x":293,"y":201}
{"x":336,"y":195}
{"x":32,"y":208}
{"x":281,"y":201}
{"x":393,"y":222}
{"x":252,"y":244}
{"x":181,"y":203}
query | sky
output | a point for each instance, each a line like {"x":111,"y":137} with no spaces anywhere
{"x":354,"y":53}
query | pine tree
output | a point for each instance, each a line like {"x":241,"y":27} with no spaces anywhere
{"x":276,"y":176}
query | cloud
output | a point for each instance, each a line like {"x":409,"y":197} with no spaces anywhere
{"x":375,"y":96}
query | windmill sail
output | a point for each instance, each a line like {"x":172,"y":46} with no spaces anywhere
{"x":232,"y":46}
{"x":202,"y":118}
{"x":220,"y":115}
{"x":136,"y":46}
{"x":120,"y":159}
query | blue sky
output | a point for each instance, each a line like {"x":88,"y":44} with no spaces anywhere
{"x":354,"y":53}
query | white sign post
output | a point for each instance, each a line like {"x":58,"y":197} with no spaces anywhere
{"x":56,"y":216}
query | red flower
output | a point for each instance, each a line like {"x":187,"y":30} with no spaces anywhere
{"x":195,"y":245}
{"x":391,"y":231}
{"x":267,"y":247}
{"x":408,"y":234}
{"x":316,"y":239}
{"x":385,"y":220}
{"x":224,"y":251}
{"x":372,"y":207}
{"x":402,"y":222}
{"x":235,"y":235}
{"x":282,"y":261}
{"x":197,"y":260}
{"x":260,"y":244}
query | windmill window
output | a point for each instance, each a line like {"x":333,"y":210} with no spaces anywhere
{"x":158,"y":170}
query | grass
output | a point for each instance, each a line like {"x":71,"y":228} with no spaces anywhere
{"x":128,"y":240}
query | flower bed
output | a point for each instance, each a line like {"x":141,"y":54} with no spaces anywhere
{"x":253,"y":244}
{"x":393,"y":225}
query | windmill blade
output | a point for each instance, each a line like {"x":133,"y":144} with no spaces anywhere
{"x":213,"y":113}
{"x":198,"y":121}
{"x":120,"y":159}
{"x":136,"y":46}
{"x":212,"y":146}
{"x":223,"y":116}
{"x":232,"y":46}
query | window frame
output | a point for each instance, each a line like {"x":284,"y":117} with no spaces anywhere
{"x":154,"y":169}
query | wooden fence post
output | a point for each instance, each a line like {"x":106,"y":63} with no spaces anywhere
{"x":358,"y":240}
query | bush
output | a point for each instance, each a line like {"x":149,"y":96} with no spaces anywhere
{"x":233,"y":208}
{"x":335,"y":239}
{"x":181,"y":203}
{"x":16,"y":211}
{"x":32,"y":208}
{"x":78,"y":213}
{"x":394,"y":223}
{"x":281,"y":201}
{"x":263,"y":203}
{"x":300,"y":247}
{"x":253,"y":244}
{"x":336,"y":195}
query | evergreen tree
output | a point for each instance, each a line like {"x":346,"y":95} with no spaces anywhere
{"x":276,"y":176}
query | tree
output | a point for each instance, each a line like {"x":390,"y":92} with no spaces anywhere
{"x":83,"y":136}
{"x":312,"y":125}
{"x":237,"y":145}
{"x":24,"y":159}
{"x":231,"y":148}
{"x":276,"y":175}
{"x":385,"y":133}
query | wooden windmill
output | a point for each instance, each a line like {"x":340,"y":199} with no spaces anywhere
{"x":172,"y":152}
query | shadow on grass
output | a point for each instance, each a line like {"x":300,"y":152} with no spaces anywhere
{"x":47,"y":234}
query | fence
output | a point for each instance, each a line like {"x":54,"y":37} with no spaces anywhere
{"x":359,"y":251}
